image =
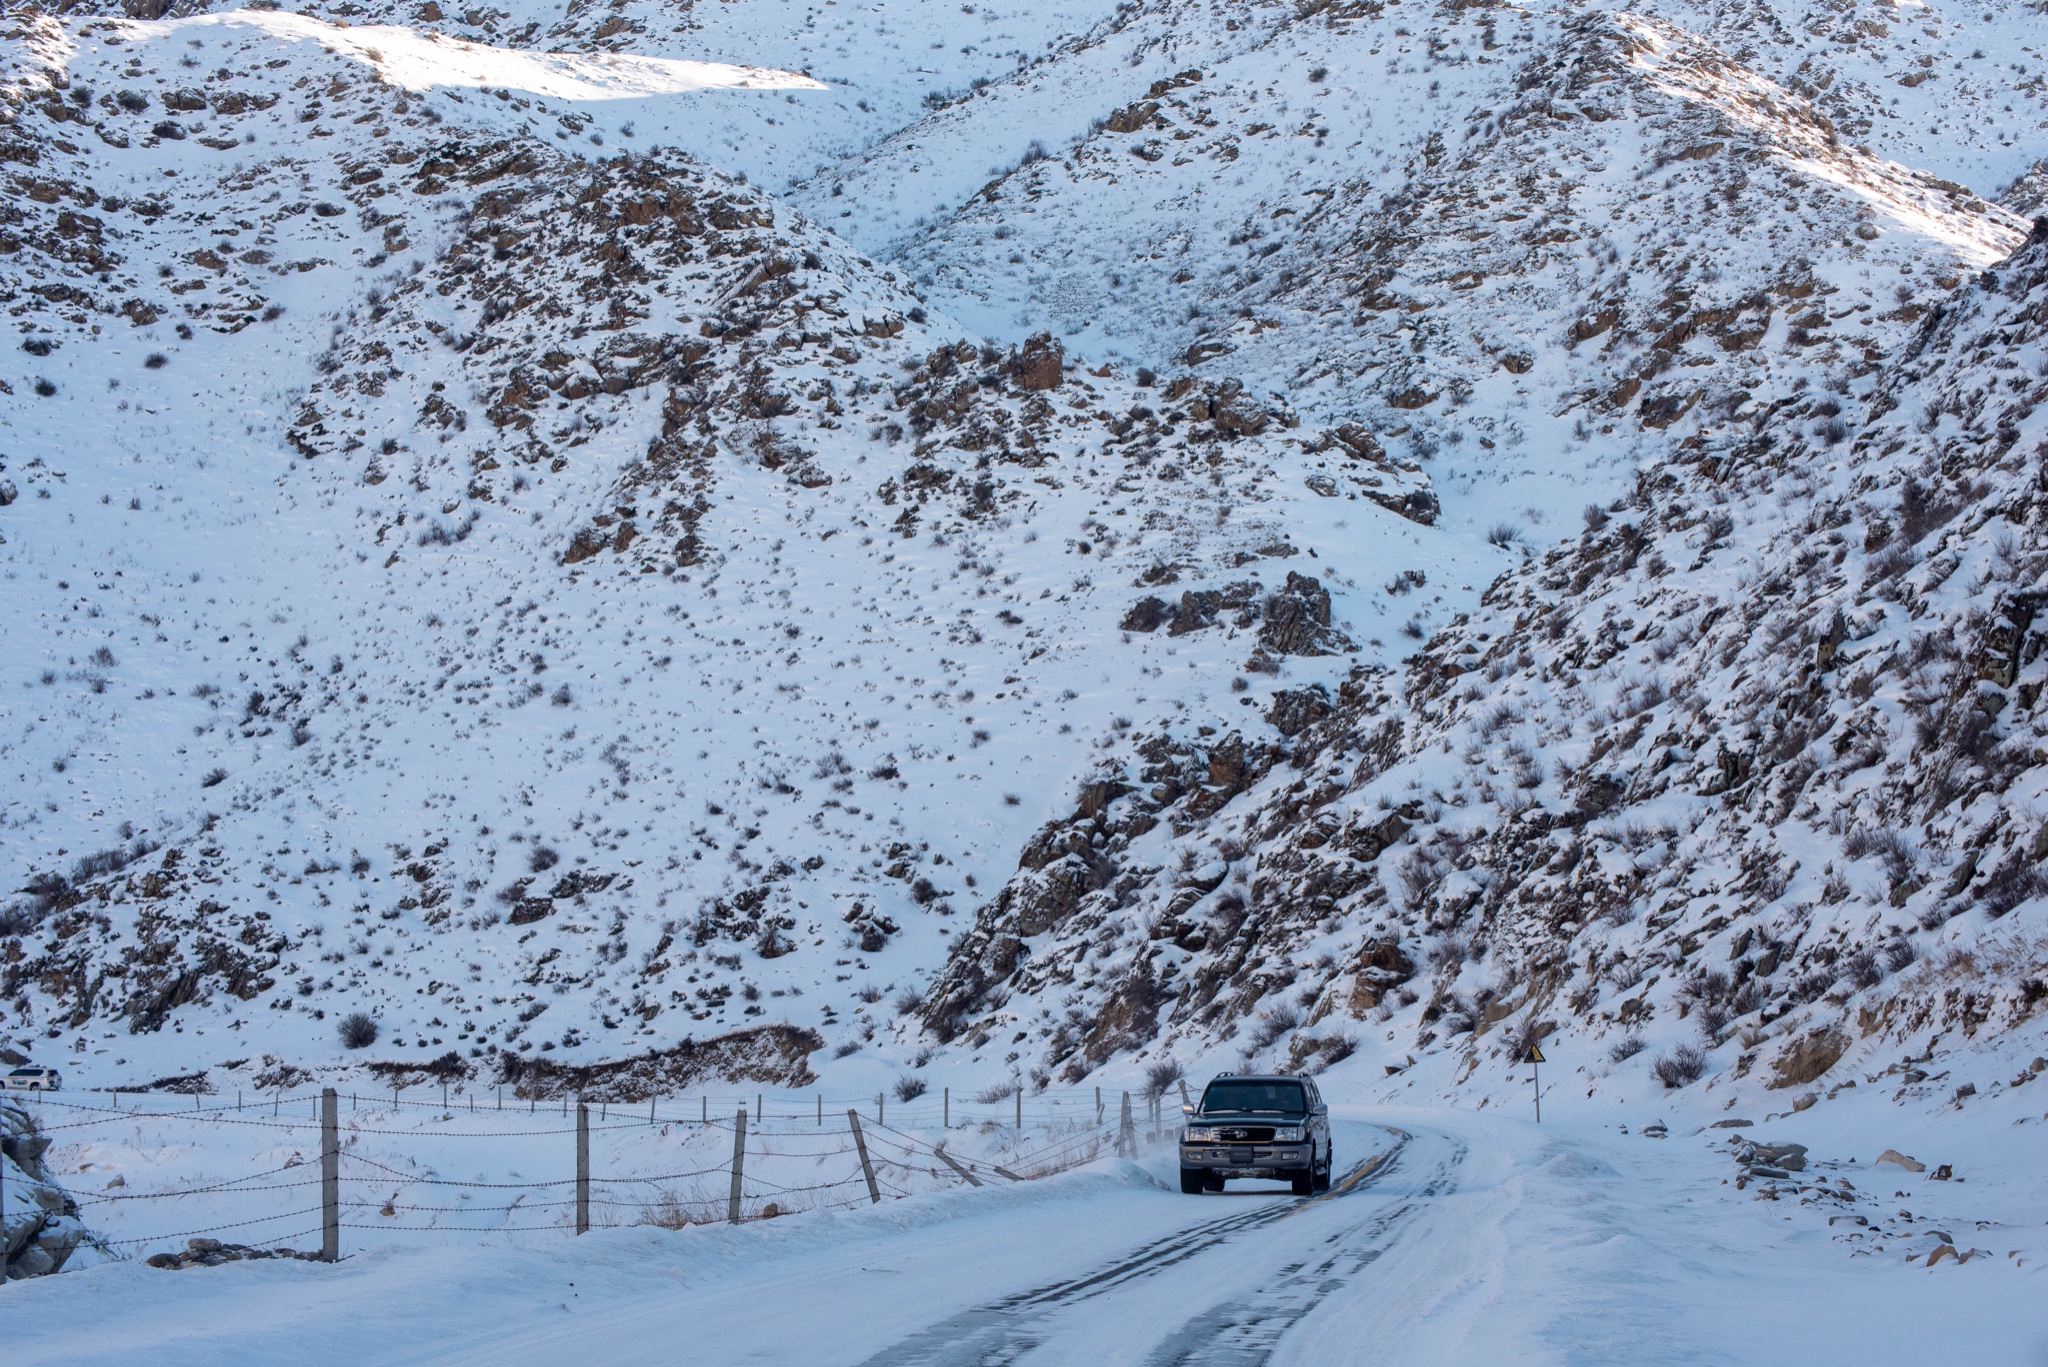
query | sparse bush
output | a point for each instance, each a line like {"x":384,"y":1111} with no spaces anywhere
{"x":1625,"y":1049}
{"x":869,"y":993}
{"x":1161,"y":1075}
{"x":214,"y":778}
{"x":909,"y":1088}
{"x":1681,"y":1067}
{"x":1596,"y":517}
{"x":543,"y":858}
{"x":1893,"y":847}
{"x":852,"y":1046}
{"x":1504,"y":535}
{"x":1271,"y":1026}
{"x":357,"y":1030}
{"x":1448,"y":953}
{"x":2008,"y":885}
{"x":997,"y":1091}
{"x":908,"y":1001}
{"x":1862,"y":970}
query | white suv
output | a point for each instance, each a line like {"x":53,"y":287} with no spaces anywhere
{"x":33,"y":1078}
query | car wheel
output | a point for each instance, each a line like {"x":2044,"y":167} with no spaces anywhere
{"x":1329,"y":1168}
{"x":1304,"y":1182}
{"x":1193,"y":1181}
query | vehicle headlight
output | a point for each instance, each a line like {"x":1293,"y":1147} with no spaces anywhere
{"x":1200,"y":1134}
{"x":1288,"y":1134}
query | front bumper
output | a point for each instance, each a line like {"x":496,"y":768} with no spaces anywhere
{"x":1248,"y":1160}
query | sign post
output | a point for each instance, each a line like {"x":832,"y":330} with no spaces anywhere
{"x":1534,"y":1059}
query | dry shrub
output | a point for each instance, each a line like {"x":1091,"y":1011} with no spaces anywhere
{"x":1681,"y":1067}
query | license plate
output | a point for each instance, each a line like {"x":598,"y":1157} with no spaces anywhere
{"x":1240,"y":1155}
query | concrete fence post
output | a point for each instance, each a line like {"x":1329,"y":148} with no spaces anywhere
{"x":330,"y":1176}
{"x":739,"y":1158}
{"x":582,"y":1168}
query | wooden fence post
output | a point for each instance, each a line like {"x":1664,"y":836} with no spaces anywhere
{"x":946,"y":1095}
{"x":582,"y":1168}
{"x":1126,"y":1136}
{"x":739,"y":1158}
{"x":860,"y":1143}
{"x":1098,"y":1105}
{"x":330,"y":1176}
{"x":947,"y":1158}
{"x":1020,"y":1107}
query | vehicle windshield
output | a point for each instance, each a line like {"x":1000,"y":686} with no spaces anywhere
{"x":1284,"y":1097}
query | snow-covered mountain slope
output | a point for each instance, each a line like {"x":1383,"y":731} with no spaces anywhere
{"x":1954,"y":89}
{"x":1750,"y":773}
{"x":578,"y":532}
{"x":1501,"y":237}
{"x":578,"y":585}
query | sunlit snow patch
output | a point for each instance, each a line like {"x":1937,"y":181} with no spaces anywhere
{"x":419,"y":60}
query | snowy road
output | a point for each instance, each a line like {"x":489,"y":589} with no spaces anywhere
{"x":1451,"y":1238}
{"x":1143,"y":1276}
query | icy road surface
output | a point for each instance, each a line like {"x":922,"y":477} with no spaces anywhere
{"x":1451,"y":1238}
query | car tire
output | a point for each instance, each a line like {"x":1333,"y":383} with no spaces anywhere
{"x":1304,"y":1182}
{"x":1328,"y":1170}
{"x":1193,"y":1181}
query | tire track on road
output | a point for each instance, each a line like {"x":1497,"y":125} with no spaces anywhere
{"x":1243,"y":1332}
{"x":1001,"y":1332}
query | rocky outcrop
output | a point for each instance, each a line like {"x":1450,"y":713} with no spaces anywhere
{"x":40,"y":1230}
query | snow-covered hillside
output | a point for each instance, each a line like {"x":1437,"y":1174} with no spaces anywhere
{"x":775,"y":539}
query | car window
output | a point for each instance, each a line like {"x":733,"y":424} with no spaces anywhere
{"x":1285,"y":1097}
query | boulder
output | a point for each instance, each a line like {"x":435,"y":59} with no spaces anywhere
{"x":1294,"y":710}
{"x":1807,"y":1057}
{"x":39,"y":1229}
{"x":1041,"y":363}
{"x":1898,"y":1159}
{"x":1297,"y":619}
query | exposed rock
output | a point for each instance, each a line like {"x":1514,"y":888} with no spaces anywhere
{"x":1807,"y":1057}
{"x":1296,"y":620}
{"x":1294,"y":710}
{"x":39,"y":1229}
{"x":1040,"y":363}
{"x":1893,"y":1156}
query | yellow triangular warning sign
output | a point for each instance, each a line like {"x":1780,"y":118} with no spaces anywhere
{"x":1535,"y":1055}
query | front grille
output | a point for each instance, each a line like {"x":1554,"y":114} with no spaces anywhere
{"x":1246,"y":1134}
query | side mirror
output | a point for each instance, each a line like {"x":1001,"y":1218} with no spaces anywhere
{"x":1186,"y":1108}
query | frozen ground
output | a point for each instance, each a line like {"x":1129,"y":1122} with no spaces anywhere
{"x":1456,"y":1237}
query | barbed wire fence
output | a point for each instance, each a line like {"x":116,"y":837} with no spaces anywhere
{"x":863,"y":1153}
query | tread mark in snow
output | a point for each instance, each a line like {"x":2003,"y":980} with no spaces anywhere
{"x":1000,"y":1333}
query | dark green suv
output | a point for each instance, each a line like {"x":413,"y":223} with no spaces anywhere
{"x":1276,"y":1128}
